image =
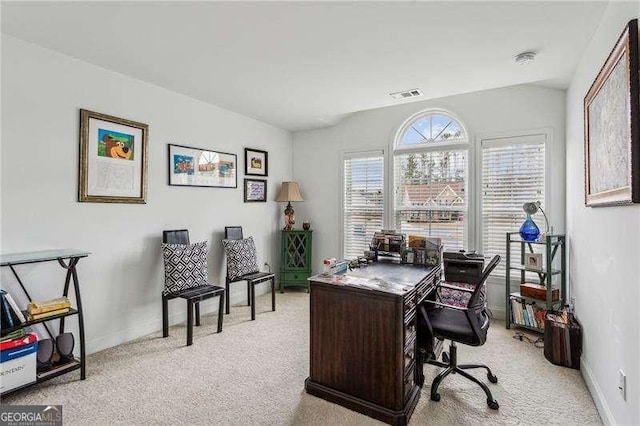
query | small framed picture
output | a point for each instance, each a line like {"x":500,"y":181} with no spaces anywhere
{"x":533,"y":261}
{"x":255,"y":190}
{"x":256,"y":162}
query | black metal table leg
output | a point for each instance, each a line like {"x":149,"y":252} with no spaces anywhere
{"x":76,"y":286}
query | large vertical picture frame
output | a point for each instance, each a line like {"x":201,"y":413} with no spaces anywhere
{"x":113,"y":159}
{"x":612,"y":127}
{"x":189,"y":166}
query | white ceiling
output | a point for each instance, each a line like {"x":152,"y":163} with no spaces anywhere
{"x":307,"y":64}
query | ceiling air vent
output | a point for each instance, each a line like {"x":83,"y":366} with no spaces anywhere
{"x":412,"y":93}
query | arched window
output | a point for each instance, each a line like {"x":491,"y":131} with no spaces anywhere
{"x":431,"y":178}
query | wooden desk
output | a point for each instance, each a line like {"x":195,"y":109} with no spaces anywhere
{"x":363,"y":338}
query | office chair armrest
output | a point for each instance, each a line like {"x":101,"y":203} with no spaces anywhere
{"x":433,"y":302}
{"x":455,"y":287}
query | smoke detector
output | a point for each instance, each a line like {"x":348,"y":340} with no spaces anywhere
{"x":412,"y":93}
{"x":524,"y":58}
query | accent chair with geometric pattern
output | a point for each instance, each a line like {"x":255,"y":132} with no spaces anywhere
{"x":242,"y":265}
{"x":186,"y":277}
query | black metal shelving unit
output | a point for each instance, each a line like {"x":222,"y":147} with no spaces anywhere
{"x":67,"y":259}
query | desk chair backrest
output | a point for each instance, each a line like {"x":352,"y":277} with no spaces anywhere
{"x":179,"y":236}
{"x":476,"y":312}
{"x":475,"y":301}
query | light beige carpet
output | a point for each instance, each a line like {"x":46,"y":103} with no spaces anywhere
{"x":254,"y":371}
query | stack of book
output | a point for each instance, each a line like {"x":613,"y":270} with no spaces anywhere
{"x":12,"y":316}
{"x":48,"y":308}
{"x":528,"y":314}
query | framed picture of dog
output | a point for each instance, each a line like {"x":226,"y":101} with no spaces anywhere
{"x":113,"y":159}
{"x":190,"y":166}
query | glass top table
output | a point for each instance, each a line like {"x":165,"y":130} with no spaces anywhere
{"x":40,"y":256}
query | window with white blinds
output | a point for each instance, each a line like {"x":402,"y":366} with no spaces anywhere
{"x":513,"y":173}
{"x":430,"y":189}
{"x":363,"y":200}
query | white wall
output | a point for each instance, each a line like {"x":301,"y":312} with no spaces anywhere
{"x":122,"y":280}
{"x":604,"y":252}
{"x":317,"y":153}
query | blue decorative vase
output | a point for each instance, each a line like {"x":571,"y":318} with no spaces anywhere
{"x":529,"y":230}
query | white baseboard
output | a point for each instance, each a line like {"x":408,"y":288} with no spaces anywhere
{"x":596,"y":393}
{"x":176,"y":316}
{"x":498,"y":312}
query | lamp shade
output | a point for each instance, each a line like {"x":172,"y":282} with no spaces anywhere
{"x":289,"y":192}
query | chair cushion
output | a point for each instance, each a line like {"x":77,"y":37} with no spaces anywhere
{"x":185,"y":266}
{"x":242,"y":258}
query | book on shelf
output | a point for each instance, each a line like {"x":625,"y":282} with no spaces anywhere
{"x":27,"y":339}
{"x":528,"y":314}
{"x":14,"y":335}
{"x":33,"y":317}
{"x":41,"y":307}
{"x":14,"y":306}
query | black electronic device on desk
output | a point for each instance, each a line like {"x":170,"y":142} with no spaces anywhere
{"x":464,"y":267}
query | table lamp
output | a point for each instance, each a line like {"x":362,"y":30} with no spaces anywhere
{"x":529,"y":231}
{"x":289,"y":192}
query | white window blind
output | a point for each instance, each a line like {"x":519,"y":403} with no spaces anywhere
{"x":513,"y":172}
{"x":363,"y":205}
{"x":430,"y":189}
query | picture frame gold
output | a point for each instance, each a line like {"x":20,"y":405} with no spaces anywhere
{"x":612,"y":127}
{"x":113,"y":159}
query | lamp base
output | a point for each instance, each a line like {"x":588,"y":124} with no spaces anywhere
{"x":289,"y":218}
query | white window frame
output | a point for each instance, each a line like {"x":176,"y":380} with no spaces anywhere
{"x":344,"y":155}
{"x":494,"y":139}
{"x":396,"y":147}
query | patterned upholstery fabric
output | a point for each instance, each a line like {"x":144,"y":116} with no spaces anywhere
{"x":459,"y":298}
{"x":242,"y":258}
{"x":185,"y":266}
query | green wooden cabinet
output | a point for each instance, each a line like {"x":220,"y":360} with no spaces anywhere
{"x":295,"y":259}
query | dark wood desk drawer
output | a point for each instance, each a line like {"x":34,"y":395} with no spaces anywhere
{"x":409,"y":303}
{"x":424,"y":287}
{"x":409,"y":381}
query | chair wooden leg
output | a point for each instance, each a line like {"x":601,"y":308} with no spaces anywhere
{"x":165,"y":317}
{"x":249,"y":285}
{"x":220,"y":312}
{"x":189,"y":323}
{"x":253,"y":301}
{"x":273,"y":294}
{"x":226,"y":296}
{"x":197,"y":314}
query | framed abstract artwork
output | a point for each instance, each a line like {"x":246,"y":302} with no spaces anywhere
{"x":255,"y":190}
{"x":256,"y":162}
{"x":190,"y":166}
{"x":612,"y":127}
{"x":113,"y":159}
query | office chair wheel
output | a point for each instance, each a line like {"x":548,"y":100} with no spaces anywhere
{"x":492,"y":378}
{"x":435,"y":397}
{"x":445,"y":357}
{"x":493,"y":404}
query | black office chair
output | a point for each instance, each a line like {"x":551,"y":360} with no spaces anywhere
{"x":193,"y":295}
{"x":252,"y":278}
{"x":467,"y":325}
